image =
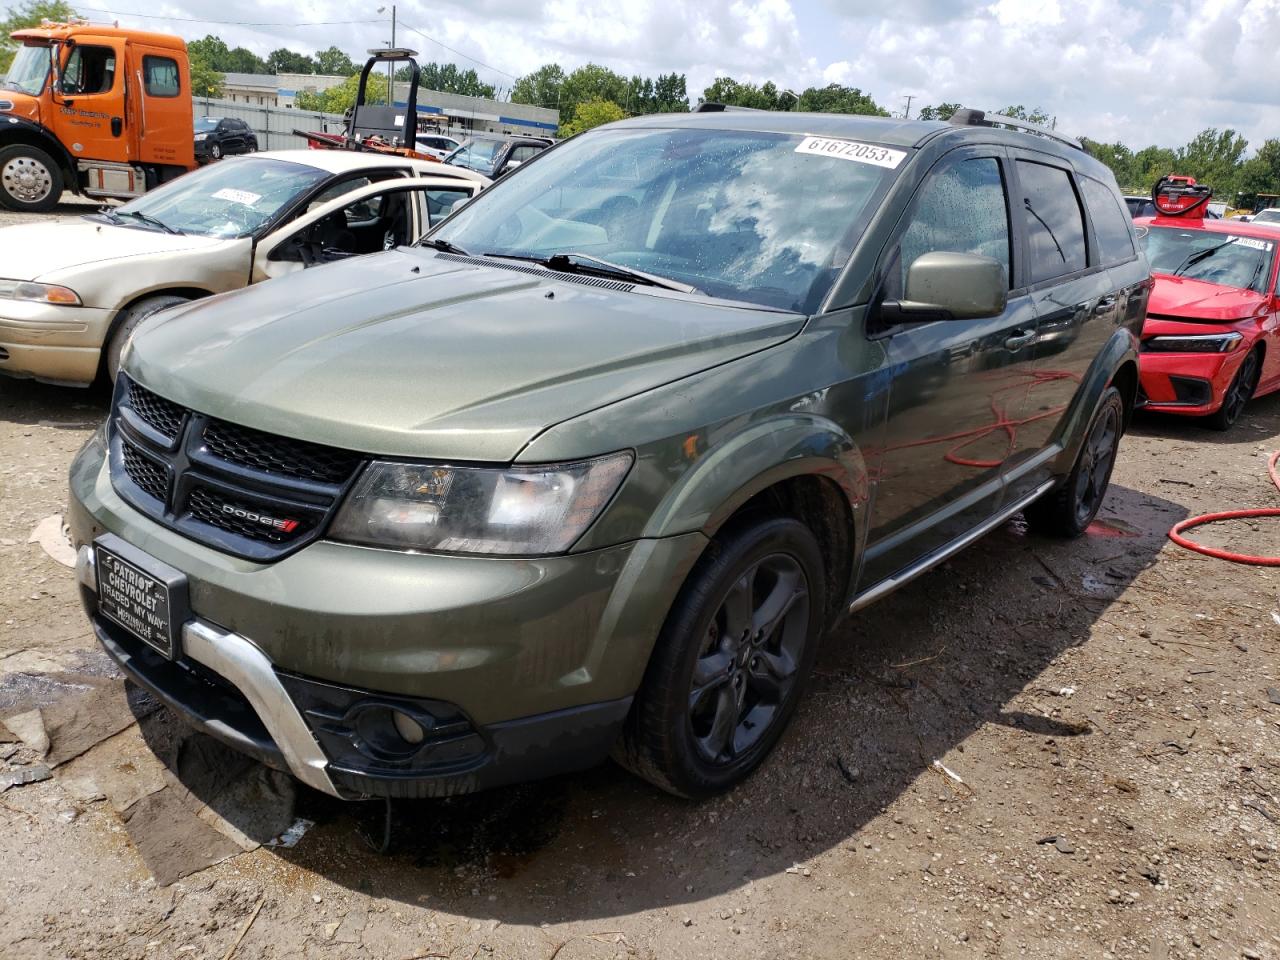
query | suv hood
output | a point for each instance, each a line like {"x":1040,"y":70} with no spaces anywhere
{"x":32,"y":251}
{"x":410,"y":354}
{"x":1198,"y":301}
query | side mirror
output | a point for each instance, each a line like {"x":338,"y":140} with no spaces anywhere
{"x":950,"y":286}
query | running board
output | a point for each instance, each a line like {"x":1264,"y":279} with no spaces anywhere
{"x":886,"y":587}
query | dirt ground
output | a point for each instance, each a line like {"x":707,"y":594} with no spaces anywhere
{"x":1105,"y":703}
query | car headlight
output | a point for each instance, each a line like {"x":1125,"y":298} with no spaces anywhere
{"x":1193,"y":343}
{"x":201,"y":136}
{"x":39,"y":292}
{"x":516,"y":511}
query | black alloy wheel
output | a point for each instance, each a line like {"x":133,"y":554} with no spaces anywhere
{"x":1238,"y":394}
{"x":730,"y":664}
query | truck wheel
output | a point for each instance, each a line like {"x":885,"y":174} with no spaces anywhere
{"x":30,"y":180}
{"x":128,"y":323}
{"x":1068,"y":509}
{"x":731,"y":661}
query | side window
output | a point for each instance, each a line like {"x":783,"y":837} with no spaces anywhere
{"x":440,"y":203}
{"x":89,"y":70}
{"x":961,"y":209}
{"x":160,"y":77}
{"x":1051,"y":216}
{"x":523,"y":153}
{"x":1113,"y":227}
{"x":336,"y":190}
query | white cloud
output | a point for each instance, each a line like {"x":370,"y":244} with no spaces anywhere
{"x":1110,"y":69}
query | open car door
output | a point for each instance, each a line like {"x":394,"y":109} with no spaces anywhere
{"x":378,"y":216}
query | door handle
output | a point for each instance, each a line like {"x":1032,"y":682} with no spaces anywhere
{"x":1019,"y":339}
{"x":117,"y":124}
{"x":1105,"y":304}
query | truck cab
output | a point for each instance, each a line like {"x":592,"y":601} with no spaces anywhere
{"x":97,"y":110}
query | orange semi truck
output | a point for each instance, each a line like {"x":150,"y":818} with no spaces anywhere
{"x":97,"y":110}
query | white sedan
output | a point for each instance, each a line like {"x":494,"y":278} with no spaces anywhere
{"x":73,"y":291}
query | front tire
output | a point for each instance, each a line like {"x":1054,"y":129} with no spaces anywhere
{"x":1238,"y":394}
{"x":127,"y":324}
{"x":215,"y":152}
{"x":1067,"y":510}
{"x":30,"y":180}
{"x":731,"y":661}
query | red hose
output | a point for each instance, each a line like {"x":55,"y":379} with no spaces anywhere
{"x":1176,"y":533}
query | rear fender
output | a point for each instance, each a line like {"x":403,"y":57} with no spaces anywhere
{"x":1120,"y":349}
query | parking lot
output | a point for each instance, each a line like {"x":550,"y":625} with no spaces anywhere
{"x":1040,"y":749}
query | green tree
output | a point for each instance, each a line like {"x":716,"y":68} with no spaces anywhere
{"x":215,"y":52}
{"x":28,"y":14}
{"x":670,"y":94}
{"x":590,"y":114}
{"x":591,"y":82}
{"x":729,"y":91}
{"x":942,"y":111}
{"x":205,"y":81}
{"x":1259,"y":174}
{"x":284,"y":60}
{"x":835,"y":98}
{"x":1214,"y":157}
{"x":541,"y":88}
{"x":341,"y":98}
{"x":448,"y":78}
{"x":335,"y":63}
{"x":1019,"y":112}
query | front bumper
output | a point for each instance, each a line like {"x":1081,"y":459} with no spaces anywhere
{"x":1192,"y":384}
{"x":530,"y":665}
{"x":57,"y":344}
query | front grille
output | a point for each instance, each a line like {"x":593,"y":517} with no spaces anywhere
{"x":162,"y":415}
{"x":281,"y":456}
{"x":150,"y":476}
{"x":238,"y":517}
{"x":240,"y":490}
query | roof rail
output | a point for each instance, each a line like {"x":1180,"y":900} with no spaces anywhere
{"x":968,"y":117}
{"x":710,"y":106}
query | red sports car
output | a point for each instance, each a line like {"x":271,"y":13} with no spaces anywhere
{"x":1212,"y":336}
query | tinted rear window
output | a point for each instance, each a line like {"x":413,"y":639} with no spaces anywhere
{"x":1112,"y":226}
{"x":1053,"y":221}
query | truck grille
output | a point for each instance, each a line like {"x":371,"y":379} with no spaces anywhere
{"x":243,"y":491}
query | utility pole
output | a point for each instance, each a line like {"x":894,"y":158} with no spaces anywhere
{"x":906,"y":114}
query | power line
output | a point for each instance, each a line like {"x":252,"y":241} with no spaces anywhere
{"x":229,"y":23}
{"x":465,"y":56}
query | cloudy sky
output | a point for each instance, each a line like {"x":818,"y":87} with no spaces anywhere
{"x":1140,"y":71}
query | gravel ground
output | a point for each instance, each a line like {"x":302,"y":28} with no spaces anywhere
{"x":1104,"y":703}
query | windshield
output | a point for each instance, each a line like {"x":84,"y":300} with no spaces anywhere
{"x":745,"y":216}
{"x":28,"y":71}
{"x":1222,"y":258}
{"x":233,"y":198}
{"x":205,"y":124}
{"x":478,"y":155}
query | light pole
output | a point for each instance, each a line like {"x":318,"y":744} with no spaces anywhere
{"x":391,"y":77}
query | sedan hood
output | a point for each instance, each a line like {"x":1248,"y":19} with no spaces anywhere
{"x":34,"y":251}
{"x":1198,"y":301}
{"x":410,"y":354}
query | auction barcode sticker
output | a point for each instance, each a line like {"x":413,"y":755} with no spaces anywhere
{"x":851,"y":150}
{"x":1252,"y":243}
{"x":237,"y":196}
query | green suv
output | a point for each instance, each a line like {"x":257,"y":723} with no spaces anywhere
{"x":594,"y":467}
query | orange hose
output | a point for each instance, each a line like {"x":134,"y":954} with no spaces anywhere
{"x":1176,"y":533}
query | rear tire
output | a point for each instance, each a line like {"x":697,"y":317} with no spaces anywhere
{"x":1238,"y":394}
{"x":30,"y":179}
{"x":731,"y":661}
{"x":1067,"y":510}
{"x":128,"y":323}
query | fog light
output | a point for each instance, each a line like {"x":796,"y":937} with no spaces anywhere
{"x":407,"y":727}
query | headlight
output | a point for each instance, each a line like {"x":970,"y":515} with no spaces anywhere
{"x":515,"y":511}
{"x":201,"y":136}
{"x":40,"y":292}
{"x":1193,"y":343}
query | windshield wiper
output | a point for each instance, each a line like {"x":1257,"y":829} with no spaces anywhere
{"x":147,"y":218}
{"x":444,"y":246}
{"x":1191,"y":259}
{"x":585,"y":263}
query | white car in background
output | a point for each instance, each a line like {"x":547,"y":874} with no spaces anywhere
{"x":1270,"y":217}
{"x":73,"y":291}
{"x":437,"y":146}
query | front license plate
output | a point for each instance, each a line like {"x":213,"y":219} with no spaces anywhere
{"x":146,"y":597}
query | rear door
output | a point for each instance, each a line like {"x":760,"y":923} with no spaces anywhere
{"x":954,"y":381}
{"x":160,"y":82}
{"x":1077,"y":308}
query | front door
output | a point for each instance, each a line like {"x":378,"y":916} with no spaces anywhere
{"x":956,"y":383}
{"x":90,"y":106}
{"x":161,"y":84}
